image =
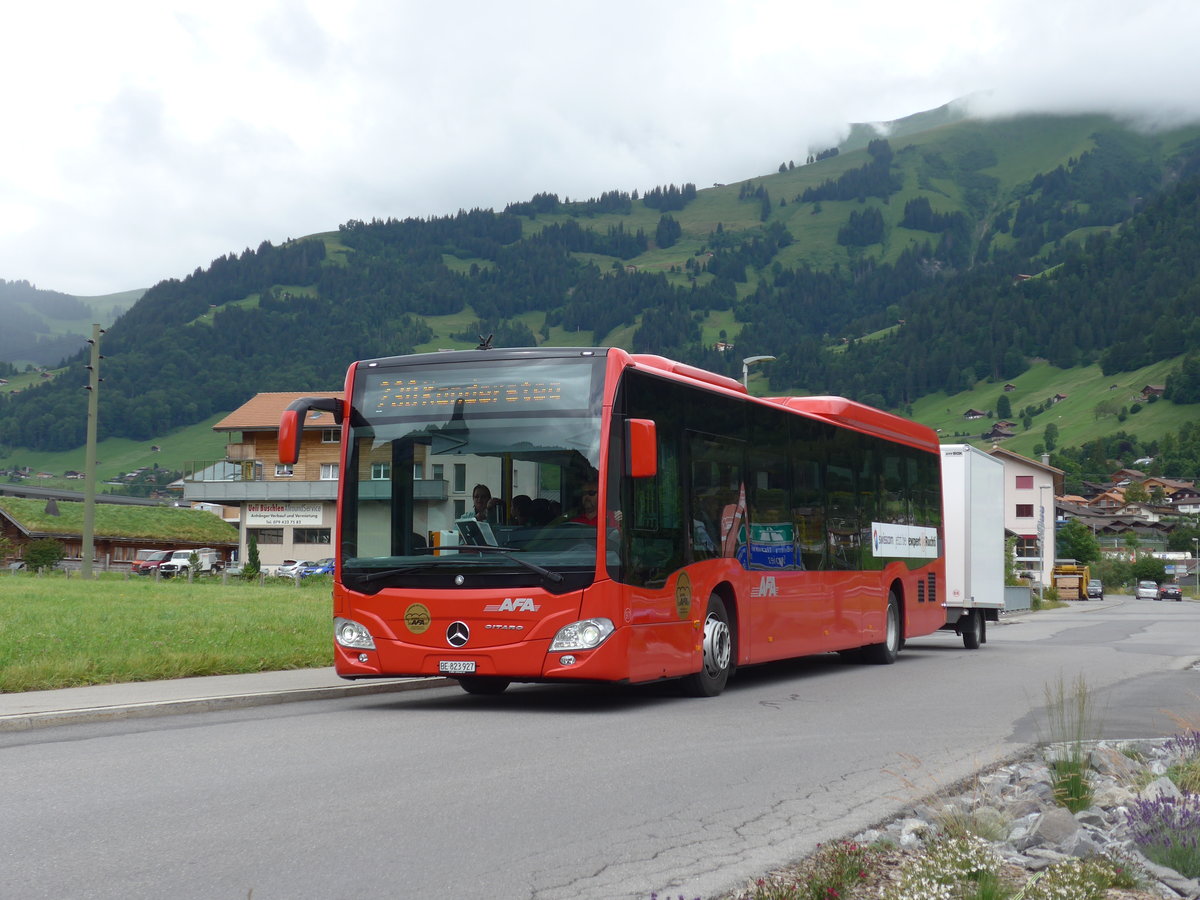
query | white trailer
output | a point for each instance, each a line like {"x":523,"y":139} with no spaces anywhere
{"x":973,"y":522}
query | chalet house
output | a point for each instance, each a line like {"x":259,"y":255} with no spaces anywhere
{"x":1126,"y":476}
{"x":289,"y":509}
{"x":1008,"y":388}
{"x":119,"y":531}
{"x":1166,"y":485}
{"x":1110,"y":500}
{"x":1185,"y":500}
{"x":1153,"y":390}
{"x":974,"y":414}
{"x":997,"y":433}
{"x":1058,"y":398}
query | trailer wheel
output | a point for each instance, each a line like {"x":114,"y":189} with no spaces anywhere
{"x":973,"y":630}
{"x":718,"y":653}
{"x":884,"y":653}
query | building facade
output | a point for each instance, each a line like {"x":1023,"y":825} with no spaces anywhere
{"x":1030,"y":488}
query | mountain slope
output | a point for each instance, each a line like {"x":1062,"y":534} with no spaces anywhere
{"x":921,"y":235}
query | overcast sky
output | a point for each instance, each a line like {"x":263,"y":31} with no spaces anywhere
{"x":143,"y":139}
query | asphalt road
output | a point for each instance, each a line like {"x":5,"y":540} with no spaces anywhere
{"x":561,"y":792}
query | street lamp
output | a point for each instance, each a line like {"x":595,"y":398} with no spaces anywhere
{"x":747,"y":363}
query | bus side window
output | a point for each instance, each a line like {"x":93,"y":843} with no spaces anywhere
{"x":772,"y":538}
{"x":842,"y":525}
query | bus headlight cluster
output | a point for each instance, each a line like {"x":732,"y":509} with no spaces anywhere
{"x":583,"y":635}
{"x":351,"y":634}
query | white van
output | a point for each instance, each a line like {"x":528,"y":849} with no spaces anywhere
{"x":180,"y":561}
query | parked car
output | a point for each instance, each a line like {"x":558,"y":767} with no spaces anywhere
{"x":289,"y":568}
{"x":320,"y":567}
{"x":1170,"y":592}
{"x":1146,"y":590}
{"x":1095,"y":589}
{"x":149,"y":560}
{"x":179,"y":561}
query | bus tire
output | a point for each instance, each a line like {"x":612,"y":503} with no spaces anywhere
{"x":483,"y":686}
{"x":884,"y":653}
{"x":718,"y":653}
{"x":972,"y":630}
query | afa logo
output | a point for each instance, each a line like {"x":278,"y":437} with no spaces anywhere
{"x":513,"y":604}
{"x":417,"y":618}
{"x":766,"y":588}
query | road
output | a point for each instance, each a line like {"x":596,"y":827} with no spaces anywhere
{"x":561,"y":792}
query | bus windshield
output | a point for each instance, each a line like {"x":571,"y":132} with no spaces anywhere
{"x":471,"y":465}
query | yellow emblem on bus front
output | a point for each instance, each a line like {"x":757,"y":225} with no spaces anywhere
{"x":683,"y":595}
{"x":417,"y":618}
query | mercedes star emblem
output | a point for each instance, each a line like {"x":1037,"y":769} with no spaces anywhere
{"x":458,"y":634}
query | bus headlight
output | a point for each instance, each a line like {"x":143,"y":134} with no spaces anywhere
{"x":351,"y":634}
{"x":584,"y":635}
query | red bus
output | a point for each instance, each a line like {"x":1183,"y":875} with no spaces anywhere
{"x":639,"y":519}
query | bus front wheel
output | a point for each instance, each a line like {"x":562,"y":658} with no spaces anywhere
{"x":483,"y":685}
{"x":718,"y":653}
{"x":884,"y":653}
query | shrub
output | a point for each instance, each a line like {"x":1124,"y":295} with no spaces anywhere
{"x":45,"y":553}
{"x":1167,"y":831}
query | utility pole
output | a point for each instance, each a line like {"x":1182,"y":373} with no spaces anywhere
{"x":89,"y":465}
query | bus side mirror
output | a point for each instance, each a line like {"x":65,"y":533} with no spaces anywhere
{"x":641,"y":442}
{"x":291,"y":424}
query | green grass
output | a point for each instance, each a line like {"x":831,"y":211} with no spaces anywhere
{"x":58,"y":632}
{"x":116,"y":456}
{"x":1085,"y":387}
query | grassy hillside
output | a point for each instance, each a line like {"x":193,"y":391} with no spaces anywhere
{"x":1077,"y":419}
{"x":116,"y":456}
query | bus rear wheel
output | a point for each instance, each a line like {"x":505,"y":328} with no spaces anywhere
{"x":482,"y":685}
{"x":718,"y":653}
{"x":884,"y":653}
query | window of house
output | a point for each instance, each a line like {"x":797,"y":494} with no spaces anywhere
{"x":329,"y":471}
{"x":330,"y":435}
{"x":438,"y":472}
{"x":418,"y":472}
{"x":283,"y":470}
{"x":1025,"y":482}
{"x":311,"y":535}
{"x":460,"y":478}
{"x":460,"y":508}
{"x":381,"y":471}
{"x":1024,"y":510}
{"x":265,"y":535}
{"x":1027,"y":547}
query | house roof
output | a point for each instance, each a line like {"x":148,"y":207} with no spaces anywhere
{"x":1008,"y":455}
{"x":263,"y":411}
{"x":170,"y":523}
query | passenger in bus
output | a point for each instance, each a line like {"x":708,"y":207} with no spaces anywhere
{"x":541,"y":512}
{"x":522,"y":510}
{"x":487,"y":508}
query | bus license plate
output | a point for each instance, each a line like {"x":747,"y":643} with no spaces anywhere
{"x":456,"y":666}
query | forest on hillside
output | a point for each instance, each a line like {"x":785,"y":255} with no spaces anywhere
{"x":988,"y":288}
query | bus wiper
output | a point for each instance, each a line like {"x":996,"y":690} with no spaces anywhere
{"x":388,"y":573}
{"x":466,"y":549}
{"x":507,"y":553}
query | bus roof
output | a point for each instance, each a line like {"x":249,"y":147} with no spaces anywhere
{"x":859,"y":416}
